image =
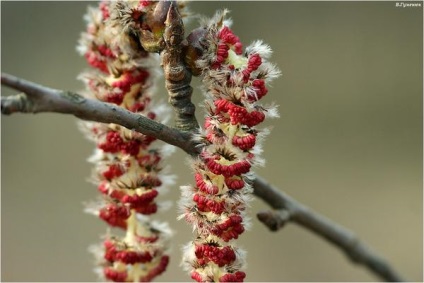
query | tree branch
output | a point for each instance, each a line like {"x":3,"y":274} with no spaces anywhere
{"x":37,"y":98}
{"x":290,"y":210}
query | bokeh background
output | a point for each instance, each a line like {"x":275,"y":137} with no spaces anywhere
{"x":348,"y":143}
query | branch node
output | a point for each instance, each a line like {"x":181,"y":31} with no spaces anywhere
{"x":15,"y":103}
{"x":274,"y":219}
{"x":72,"y":96}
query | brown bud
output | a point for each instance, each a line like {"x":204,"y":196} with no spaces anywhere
{"x":193,"y":49}
{"x":153,"y":27}
{"x":159,"y":17}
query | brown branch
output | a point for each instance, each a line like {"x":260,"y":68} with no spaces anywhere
{"x":290,"y":210}
{"x":37,"y":98}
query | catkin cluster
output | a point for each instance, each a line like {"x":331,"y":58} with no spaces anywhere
{"x":234,"y":81}
{"x":127,"y":165}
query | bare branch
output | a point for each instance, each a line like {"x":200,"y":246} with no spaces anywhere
{"x":37,"y":98}
{"x":288,"y":209}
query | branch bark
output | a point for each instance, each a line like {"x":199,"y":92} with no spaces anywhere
{"x":36,"y":99}
{"x":288,"y":210}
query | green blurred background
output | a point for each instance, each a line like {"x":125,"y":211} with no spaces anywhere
{"x":348,"y":143}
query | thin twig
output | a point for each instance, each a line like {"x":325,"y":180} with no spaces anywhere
{"x":37,"y":98}
{"x":290,"y":210}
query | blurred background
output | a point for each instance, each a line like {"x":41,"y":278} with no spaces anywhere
{"x":348,"y":143}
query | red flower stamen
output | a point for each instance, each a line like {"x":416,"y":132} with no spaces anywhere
{"x":230,"y":229}
{"x":233,"y":277}
{"x":113,"y":171}
{"x":206,"y":204}
{"x":206,"y":187}
{"x":114,"y":275}
{"x":234,"y":182}
{"x":220,"y":256}
{"x":115,"y":215}
{"x":161,"y":267}
{"x":245,"y":142}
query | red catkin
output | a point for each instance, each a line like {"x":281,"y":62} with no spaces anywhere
{"x":127,"y":164}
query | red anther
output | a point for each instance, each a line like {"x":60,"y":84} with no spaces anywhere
{"x":137,"y":107}
{"x":227,"y":36}
{"x":127,"y":80}
{"x":115,"y":215}
{"x":260,"y":90}
{"x":238,"y":48}
{"x":204,"y":204}
{"x":145,"y":3}
{"x":151,"y":115}
{"x":220,"y":256}
{"x":239,"y":115}
{"x":234,"y":182}
{"x":221,"y":105}
{"x":207,"y":123}
{"x":246,"y":75}
{"x":161,"y":267}
{"x":113,"y":171}
{"x":235,"y":218}
{"x":113,"y":142}
{"x":220,"y":59}
{"x":115,"y":98}
{"x":254,"y":62}
{"x":196,"y":276}
{"x":229,"y":229}
{"x":214,"y":167}
{"x":140,"y":77}
{"x":110,"y":250}
{"x":131,"y":257}
{"x":238,"y":168}
{"x":233,"y":277}
{"x":105,"y":10}
{"x":256,"y":117}
{"x":131,"y":147}
{"x":123,"y":83}
{"x":148,"y":140}
{"x":215,"y":65}
{"x":140,"y":200}
{"x":117,"y":193}
{"x":105,"y":51}
{"x":114,"y":275}
{"x":103,"y":188}
{"x":206,"y":187}
{"x":149,"y":161}
{"x":210,"y":137}
{"x":146,"y":209}
{"x":96,"y":62}
{"x":244,"y":142}
{"x":143,"y":240}
{"x":95,"y":130}
{"x":221,"y":53}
